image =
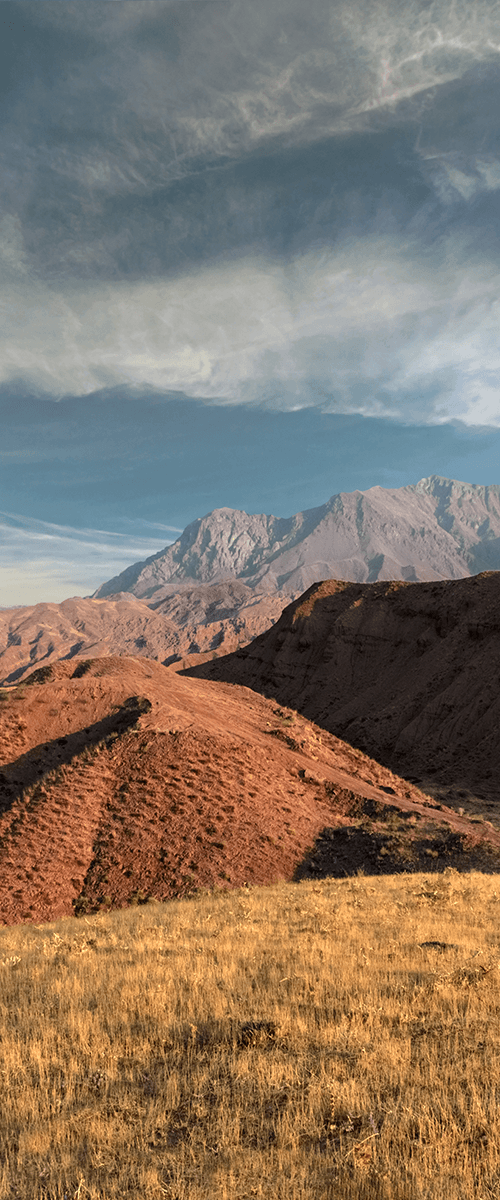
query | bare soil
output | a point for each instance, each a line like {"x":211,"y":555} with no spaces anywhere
{"x":121,"y":780}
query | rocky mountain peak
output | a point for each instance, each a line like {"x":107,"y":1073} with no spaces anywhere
{"x":434,"y":529}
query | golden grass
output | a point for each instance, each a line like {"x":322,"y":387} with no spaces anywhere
{"x":133,"y":1063}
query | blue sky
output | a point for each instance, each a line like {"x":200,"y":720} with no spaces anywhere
{"x":249,"y":256}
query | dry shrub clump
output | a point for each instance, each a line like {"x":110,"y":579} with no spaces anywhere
{"x":315,"y":1040}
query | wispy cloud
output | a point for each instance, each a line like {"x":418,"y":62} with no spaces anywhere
{"x":269,"y":205}
{"x":218,"y":78}
{"x":42,"y":560}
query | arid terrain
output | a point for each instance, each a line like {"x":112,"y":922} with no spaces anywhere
{"x":125,"y":776}
{"x":122,"y":780}
{"x":407,"y":672}
{"x":192,"y":625}
{"x":315,"y":1007}
{"x":330,"y":1039}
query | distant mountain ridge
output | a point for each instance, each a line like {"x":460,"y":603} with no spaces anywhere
{"x":435,"y":529}
{"x":230,"y":574}
{"x":202,"y":621}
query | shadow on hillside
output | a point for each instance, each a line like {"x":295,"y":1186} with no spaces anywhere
{"x":347,"y":850}
{"x":26,"y":674}
{"x":31,"y":767}
{"x":297,"y":663}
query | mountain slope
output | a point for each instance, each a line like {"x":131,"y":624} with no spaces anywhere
{"x":438,"y":528}
{"x":407,"y":672}
{"x":121,"y":780}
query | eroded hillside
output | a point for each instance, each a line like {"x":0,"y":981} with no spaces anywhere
{"x":121,"y":780}
{"x":194,"y":624}
{"x":408,"y":672}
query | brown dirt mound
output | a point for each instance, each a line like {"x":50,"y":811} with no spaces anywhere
{"x":408,"y":672}
{"x":121,"y":780}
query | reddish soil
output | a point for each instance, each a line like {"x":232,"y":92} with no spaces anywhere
{"x":407,"y":672}
{"x":121,"y":780}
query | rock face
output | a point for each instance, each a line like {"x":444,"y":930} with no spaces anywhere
{"x":435,"y":529}
{"x":121,"y":780}
{"x":407,"y":672}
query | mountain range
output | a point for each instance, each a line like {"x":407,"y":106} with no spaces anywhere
{"x":435,"y":529}
{"x":229,"y":575}
{"x":124,"y":778}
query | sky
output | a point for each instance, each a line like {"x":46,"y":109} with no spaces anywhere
{"x":249,"y":257}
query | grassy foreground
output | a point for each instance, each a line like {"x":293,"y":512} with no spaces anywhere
{"x":288,"y":1042}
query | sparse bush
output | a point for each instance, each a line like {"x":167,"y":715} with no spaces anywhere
{"x":42,"y":675}
{"x":82,"y":668}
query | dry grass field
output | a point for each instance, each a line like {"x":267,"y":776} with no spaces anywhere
{"x":292,"y":1042}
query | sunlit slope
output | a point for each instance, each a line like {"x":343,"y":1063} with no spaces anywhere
{"x":122,"y":780}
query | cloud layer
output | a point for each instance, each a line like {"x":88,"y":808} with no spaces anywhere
{"x":375,"y":328}
{"x":251,"y":203}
